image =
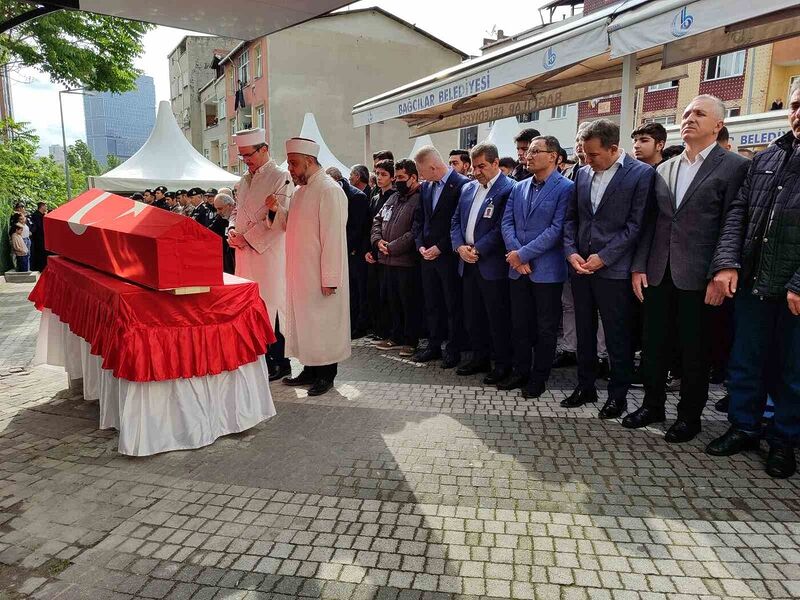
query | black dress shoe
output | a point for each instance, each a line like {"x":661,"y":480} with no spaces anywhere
{"x":613,"y":409}
{"x":357,"y":334}
{"x":579,"y":397}
{"x":451,"y":360}
{"x":565,"y":359}
{"x":305,"y":378}
{"x":717,"y":376}
{"x":534,"y":389}
{"x":643,"y":417}
{"x":279,"y":372}
{"x":682,"y":431}
{"x":473,"y":367}
{"x":512,"y":383}
{"x":320,"y":387}
{"x":732,"y":442}
{"x":426,"y":355}
{"x":496,"y":376}
{"x":722,"y":404}
{"x":781,"y":462}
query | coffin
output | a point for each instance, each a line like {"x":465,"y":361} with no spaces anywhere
{"x":132,"y":240}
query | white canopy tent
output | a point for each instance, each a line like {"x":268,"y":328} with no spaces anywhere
{"x":502,"y":135}
{"x":167,"y":158}
{"x":326,"y":158}
{"x":423,"y":140}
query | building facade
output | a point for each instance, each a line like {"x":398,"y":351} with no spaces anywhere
{"x":324,"y":67}
{"x":119,"y":124}
{"x":192,"y":64}
{"x":56,"y":152}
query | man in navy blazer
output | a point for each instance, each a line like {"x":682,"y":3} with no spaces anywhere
{"x":533,"y":229}
{"x":439,"y":266}
{"x":601,"y":231}
{"x":476,"y":237}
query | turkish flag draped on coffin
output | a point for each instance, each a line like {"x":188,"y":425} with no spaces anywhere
{"x":147,"y":245}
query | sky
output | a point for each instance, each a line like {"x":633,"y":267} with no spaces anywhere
{"x":36,"y":98}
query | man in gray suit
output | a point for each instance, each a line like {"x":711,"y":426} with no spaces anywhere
{"x":671,"y":269}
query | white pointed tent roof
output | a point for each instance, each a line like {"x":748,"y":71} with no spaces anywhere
{"x":166,"y":158}
{"x":423,"y":140}
{"x":326,"y":158}
{"x":502,"y":135}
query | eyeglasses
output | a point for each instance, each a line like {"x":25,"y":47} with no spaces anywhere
{"x":535,"y":151}
{"x":249,"y":154}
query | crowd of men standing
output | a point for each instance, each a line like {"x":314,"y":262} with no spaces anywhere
{"x":692,"y":259}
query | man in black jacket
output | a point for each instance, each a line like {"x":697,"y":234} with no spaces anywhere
{"x":759,"y":252}
{"x":357,"y":217}
{"x":378,"y":320}
{"x":522,"y":141}
{"x":38,"y":252}
{"x":440,"y":282}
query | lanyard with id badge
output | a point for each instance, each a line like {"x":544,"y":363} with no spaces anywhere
{"x":487,"y":214}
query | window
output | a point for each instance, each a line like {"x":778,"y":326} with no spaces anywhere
{"x":558,"y":112}
{"x":260,"y":117}
{"x":233,"y":126}
{"x":224,"y":154}
{"x":205,"y":152}
{"x":231,"y":83}
{"x":725,"y":65}
{"x":528,"y":117}
{"x":468,"y":137}
{"x":732,"y":112}
{"x":666,"y":120}
{"x":245,"y":118}
{"x":665,"y":85}
{"x":244,"y":67}
{"x":259,"y":71}
{"x":221,"y":108}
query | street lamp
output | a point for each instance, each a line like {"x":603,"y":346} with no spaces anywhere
{"x":79,"y":92}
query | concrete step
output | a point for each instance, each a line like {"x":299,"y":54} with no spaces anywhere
{"x":23,"y":277}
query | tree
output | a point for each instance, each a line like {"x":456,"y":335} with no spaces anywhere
{"x":24,"y":177}
{"x":81,"y":164}
{"x":112,"y":162}
{"x":77,"y":49}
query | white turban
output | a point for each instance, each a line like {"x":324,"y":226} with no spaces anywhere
{"x":250,"y":137}
{"x":305,"y":146}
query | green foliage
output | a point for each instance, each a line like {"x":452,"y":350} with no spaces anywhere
{"x":24,"y":177}
{"x":112,"y":162}
{"x":77,"y":49}
{"x":81,"y":165}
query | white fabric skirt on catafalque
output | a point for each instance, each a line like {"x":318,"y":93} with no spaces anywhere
{"x":159,"y":416}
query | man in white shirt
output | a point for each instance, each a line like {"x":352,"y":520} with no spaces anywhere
{"x":671,"y":270}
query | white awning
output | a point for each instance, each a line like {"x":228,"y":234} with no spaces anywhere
{"x":553,"y":49}
{"x":239,"y":19}
{"x":665,"y":21}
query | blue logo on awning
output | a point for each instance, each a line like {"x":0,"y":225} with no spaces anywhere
{"x":682,"y":23}
{"x":549,"y":60}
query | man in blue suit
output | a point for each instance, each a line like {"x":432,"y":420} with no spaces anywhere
{"x":533,"y":229}
{"x":601,"y":231}
{"x":476,"y":237}
{"x":439,"y":266}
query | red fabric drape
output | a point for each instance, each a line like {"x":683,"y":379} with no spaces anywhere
{"x":146,"y":335}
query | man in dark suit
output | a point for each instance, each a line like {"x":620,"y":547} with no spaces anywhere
{"x":38,"y":252}
{"x":476,"y":237}
{"x":440,"y":282}
{"x":601,"y":230}
{"x":522,"y":141}
{"x":671,"y":273}
{"x":533,"y":230}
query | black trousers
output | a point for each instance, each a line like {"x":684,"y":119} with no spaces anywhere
{"x":668,"y":309}
{"x":357,"y":269}
{"x":722,"y":329}
{"x":613,"y":298}
{"x":377,"y":301}
{"x":404,"y":301}
{"x":323,"y":371}
{"x":486,"y":315}
{"x":276,"y":353}
{"x":442,"y":288}
{"x":535,"y":315}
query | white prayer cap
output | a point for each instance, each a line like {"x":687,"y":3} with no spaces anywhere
{"x":250,"y":137}
{"x":298,"y":145}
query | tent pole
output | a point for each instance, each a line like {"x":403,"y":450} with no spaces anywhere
{"x":367,"y":147}
{"x":626,"y":119}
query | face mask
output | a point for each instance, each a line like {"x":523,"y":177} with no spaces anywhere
{"x":402,"y":187}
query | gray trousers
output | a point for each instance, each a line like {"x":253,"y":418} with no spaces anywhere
{"x":568,"y":338}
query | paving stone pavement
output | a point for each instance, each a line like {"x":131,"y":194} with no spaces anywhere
{"x":405,"y":483}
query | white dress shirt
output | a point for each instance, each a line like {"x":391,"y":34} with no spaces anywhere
{"x":480,"y":196}
{"x":687,"y":171}
{"x":601,"y":179}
